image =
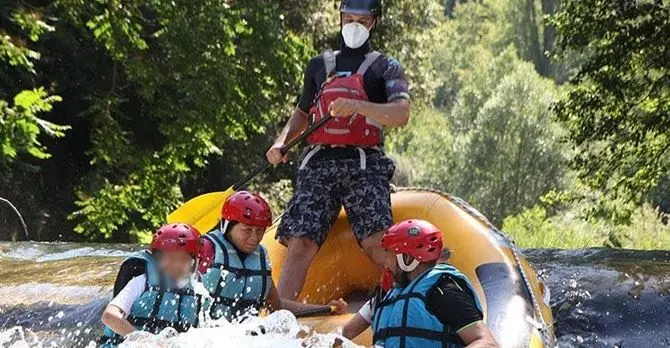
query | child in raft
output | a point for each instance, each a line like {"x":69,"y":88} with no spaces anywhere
{"x":236,"y":268}
{"x":162,"y":295}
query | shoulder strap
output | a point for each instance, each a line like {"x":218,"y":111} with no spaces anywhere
{"x":150,"y":270}
{"x":330,"y":62}
{"x":264,"y":268}
{"x":223,"y":248}
{"x":367,"y":63}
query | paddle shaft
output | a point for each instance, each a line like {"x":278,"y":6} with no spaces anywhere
{"x":244,"y":181}
{"x":315,"y":312}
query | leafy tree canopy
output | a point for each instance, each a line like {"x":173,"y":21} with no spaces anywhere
{"x":618,"y":110}
{"x":20,"y":109}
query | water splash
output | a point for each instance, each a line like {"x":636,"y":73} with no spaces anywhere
{"x":18,"y":337}
{"x":279,"y":329}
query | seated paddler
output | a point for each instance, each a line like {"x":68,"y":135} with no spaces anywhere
{"x":236,"y":268}
{"x":431,"y":303}
{"x":155,"y":287}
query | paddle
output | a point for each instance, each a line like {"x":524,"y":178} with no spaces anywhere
{"x":204,"y":211}
{"x":316,"y":312}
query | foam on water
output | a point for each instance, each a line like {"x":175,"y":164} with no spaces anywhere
{"x":44,"y":252}
{"x":279,"y":329}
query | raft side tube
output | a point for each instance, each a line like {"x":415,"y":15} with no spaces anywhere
{"x":508,"y":293}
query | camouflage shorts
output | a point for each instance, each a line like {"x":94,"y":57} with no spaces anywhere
{"x":324,"y":186}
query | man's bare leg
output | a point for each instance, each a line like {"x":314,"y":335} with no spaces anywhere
{"x":373,"y":249}
{"x":301,"y":252}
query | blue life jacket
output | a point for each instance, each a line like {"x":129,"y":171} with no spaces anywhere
{"x":162,"y":305}
{"x":402,"y":319}
{"x":236,"y":284}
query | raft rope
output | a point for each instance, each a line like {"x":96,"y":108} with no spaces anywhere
{"x":23,"y":222}
{"x":548,"y":340}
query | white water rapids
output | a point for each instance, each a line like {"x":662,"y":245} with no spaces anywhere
{"x":52,"y":295}
{"x":279,"y":329}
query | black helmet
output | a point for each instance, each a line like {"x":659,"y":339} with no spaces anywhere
{"x":362,"y":7}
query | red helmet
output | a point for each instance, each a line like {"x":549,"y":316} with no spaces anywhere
{"x":417,"y":238}
{"x":177,"y":237}
{"x":249,"y":208}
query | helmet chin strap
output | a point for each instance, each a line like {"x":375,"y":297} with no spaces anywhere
{"x":405,"y":267}
{"x":224,"y":226}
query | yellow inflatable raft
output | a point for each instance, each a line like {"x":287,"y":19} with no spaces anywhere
{"x":512,"y":296}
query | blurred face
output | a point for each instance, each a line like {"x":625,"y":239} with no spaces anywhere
{"x":178,"y":265}
{"x":366,"y":21}
{"x":246,"y":237}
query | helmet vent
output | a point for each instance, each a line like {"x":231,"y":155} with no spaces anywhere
{"x":431,"y":249}
{"x":419,"y":246}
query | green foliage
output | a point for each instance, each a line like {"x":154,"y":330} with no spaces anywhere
{"x":30,"y":22}
{"x":20,"y":124}
{"x":409,"y":32}
{"x":535,"y":228}
{"x":20,"y":127}
{"x":139,"y":205}
{"x":618,"y":108}
{"x":470,"y":39}
{"x":201,"y":79}
{"x":168,"y":100}
{"x":531,"y":31}
{"x":278,"y":193}
{"x":498,"y":148}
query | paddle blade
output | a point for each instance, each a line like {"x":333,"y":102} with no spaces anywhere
{"x":202,"y":212}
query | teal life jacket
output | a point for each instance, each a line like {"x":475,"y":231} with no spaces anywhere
{"x":402,"y":319}
{"x":237,"y":285}
{"x":162,"y":305}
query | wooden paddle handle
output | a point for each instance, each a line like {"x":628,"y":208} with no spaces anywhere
{"x":316,"y":312}
{"x":285,"y":149}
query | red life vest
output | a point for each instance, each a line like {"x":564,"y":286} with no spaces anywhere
{"x":355,"y":130}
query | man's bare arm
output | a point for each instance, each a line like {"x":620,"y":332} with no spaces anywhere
{"x":393,"y":114}
{"x":477,"y":335}
{"x":294,"y":127}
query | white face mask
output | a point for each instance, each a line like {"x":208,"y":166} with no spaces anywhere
{"x":355,"y":34}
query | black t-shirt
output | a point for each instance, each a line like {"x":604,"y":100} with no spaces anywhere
{"x":384,"y":80}
{"x":452,"y":303}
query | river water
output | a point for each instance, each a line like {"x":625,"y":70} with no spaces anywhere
{"x":53,"y":295}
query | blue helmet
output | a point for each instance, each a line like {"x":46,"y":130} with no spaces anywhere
{"x":362,"y":7}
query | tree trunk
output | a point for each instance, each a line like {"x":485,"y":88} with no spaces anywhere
{"x":549,"y":8}
{"x":535,"y":46}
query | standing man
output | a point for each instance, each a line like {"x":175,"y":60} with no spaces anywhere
{"x":344,"y":165}
{"x":431,"y":304}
